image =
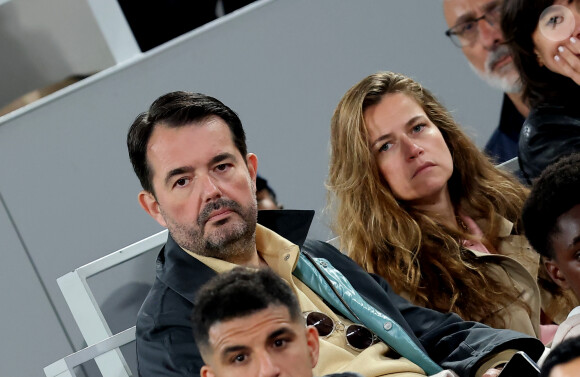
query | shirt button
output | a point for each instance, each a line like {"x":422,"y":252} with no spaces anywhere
{"x":323,"y":264}
{"x":287,"y":256}
{"x":388,"y":325}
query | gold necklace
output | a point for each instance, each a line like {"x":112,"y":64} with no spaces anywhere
{"x":462,"y":224}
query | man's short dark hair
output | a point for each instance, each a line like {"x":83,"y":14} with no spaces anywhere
{"x":239,"y":293}
{"x":554,"y":193}
{"x":564,"y":352}
{"x":177,"y":109}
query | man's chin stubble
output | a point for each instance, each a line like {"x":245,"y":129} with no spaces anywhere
{"x":233,"y":247}
{"x":496,"y":80}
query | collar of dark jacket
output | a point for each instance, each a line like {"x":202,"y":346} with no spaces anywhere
{"x":185,"y":274}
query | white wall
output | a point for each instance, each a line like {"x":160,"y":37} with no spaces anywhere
{"x":66,"y":179}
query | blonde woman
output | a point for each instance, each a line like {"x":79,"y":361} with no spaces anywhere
{"x":416,"y":202}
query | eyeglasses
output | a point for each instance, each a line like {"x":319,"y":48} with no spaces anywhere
{"x":358,"y":337}
{"x":466,"y":33}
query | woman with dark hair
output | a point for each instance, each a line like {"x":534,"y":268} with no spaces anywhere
{"x":416,"y":202}
{"x":544,"y":36}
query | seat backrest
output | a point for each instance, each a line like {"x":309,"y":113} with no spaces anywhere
{"x":511,"y":166}
{"x":65,"y":366}
{"x":85,"y":308}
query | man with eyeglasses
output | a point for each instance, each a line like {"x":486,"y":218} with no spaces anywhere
{"x":189,"y":153}
{"x":474,"y":26}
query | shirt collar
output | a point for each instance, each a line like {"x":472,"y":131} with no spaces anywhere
{"x":280,"y":254}
{"x":574,"y":311}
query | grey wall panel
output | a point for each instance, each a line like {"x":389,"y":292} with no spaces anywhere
{"x":282,"y":66}
{"x":42,"y":42}
{"x":31,"y":335}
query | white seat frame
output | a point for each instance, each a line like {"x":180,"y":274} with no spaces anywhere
{"x":85,"y":308}
{"x":511,"y":166}
{"x":65,"y":366}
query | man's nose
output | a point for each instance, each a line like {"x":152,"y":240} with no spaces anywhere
{"x":211,"y":190}
{"x":490,"y":36}
{"x":268,"y":367}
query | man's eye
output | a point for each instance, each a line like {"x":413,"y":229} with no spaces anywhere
{"x":222,"y":167}
{"x":465,"y":28}
{"x":239,"y":359}
{"x":181,"y":182}
{"x":279,"y":343}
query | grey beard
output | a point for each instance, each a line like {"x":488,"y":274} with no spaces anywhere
{"x":232,"y":244}
{"x":509,"y":82}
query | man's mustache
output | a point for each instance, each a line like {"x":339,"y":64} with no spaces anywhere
{"x":216,"y":205}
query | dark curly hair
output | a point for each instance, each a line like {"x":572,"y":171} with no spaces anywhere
{"x":564,"y":352}
{"x":239,"y":293}
{"x":554,"y":193}
{"x":540,"y":85}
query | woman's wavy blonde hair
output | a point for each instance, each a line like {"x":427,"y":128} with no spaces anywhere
{"x":414,"y":251}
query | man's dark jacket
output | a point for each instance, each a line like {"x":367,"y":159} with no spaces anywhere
{"x":165,"y":344}
{"x":503,"y":143}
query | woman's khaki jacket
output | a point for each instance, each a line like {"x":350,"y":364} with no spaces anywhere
{"x":517,"y":264}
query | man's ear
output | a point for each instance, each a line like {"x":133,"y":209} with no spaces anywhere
{"x":555,"y":273}
{"x":151,"y":206}
{"x":312,"y":341}
{"x":252,"y":162}
{"x":539,"y":58}
{"x":206,"y":371}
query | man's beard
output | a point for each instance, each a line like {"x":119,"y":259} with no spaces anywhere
{"x":232,"y":240}
{"x":505,"y":78}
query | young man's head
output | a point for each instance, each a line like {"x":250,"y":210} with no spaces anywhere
{"x":248,"y":322}
{"x":189,"y":153}
{"x":551,"y":218}
{"x":474,"y":26}
{"x":563,"y":360}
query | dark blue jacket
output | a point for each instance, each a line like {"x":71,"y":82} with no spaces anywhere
{"x":165,"y":344}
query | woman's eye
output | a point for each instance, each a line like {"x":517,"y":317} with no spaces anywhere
{"x":385,"y":147}
{"x":418,"y":127}
{"x":555,"y":21}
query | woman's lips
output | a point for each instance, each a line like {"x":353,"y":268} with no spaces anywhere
{"x":423,"y":167}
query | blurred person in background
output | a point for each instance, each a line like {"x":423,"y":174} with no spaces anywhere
{"x":544,"y":36}
{"x":474,"y":27}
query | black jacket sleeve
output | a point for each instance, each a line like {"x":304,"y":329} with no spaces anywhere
{"x":548,"y":134}
{"x":165,"y":343}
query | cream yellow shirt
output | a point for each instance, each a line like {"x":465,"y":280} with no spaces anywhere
{"x":335,"y":355}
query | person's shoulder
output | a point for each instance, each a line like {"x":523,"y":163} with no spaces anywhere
{"x":321,"y":249}
{"x":543,"y":115}
{"x":570,"y":328}
{"x":163,"y":306}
